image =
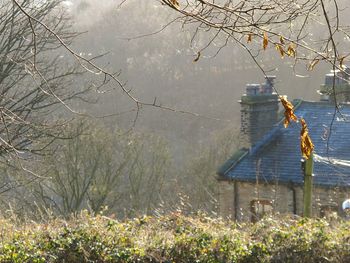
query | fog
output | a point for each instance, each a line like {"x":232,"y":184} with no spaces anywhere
{"x":90,"y":146}
{"x":158,"y":64}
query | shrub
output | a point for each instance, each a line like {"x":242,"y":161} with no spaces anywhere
{"x":174,"y":238}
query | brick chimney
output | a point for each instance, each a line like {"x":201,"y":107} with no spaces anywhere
{"x":259,"y":111}
{"x":341,"y":81}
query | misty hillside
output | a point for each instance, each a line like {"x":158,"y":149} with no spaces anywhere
{"x":132,"y":107}
{"x":160,"y":65}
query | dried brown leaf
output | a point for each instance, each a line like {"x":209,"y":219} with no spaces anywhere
{"x":291,"y":50}
{"x":249,"y":38}
{"x":265,"y":41}
{"x":306,"y":145}
{"x":281,"y":50}
{"x":288,"y":111}
{"x":175,"y":3}
{"x":313,"y":64}
{"x":197,"y":57}
{"x":282,"y":40}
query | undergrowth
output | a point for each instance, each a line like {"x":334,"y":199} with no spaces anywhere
{"x":174,"y":238}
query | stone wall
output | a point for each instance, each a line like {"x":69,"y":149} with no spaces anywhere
{"x":286,"y":199}
{"x":226,"y":199}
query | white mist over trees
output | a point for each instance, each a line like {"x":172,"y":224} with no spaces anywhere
{"x":155,"y":57}
{"x":161,"y":66}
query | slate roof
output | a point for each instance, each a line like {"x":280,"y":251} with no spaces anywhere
{"x":277,"y":156}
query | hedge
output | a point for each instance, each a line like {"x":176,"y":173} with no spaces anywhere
{"x":174,"y":238}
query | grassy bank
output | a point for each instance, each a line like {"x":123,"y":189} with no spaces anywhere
{"x":174,"y":238}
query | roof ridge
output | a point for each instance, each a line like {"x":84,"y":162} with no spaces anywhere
{"x":301,"y":101}
{"x":266,"y":139}
{"x":232,"y":161}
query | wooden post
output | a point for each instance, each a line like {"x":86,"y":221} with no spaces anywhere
{"x":308,"y":170}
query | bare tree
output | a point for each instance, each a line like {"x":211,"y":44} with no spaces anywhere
{"x":34,"y":82}
{"x":102,"y":167}
{"x":88,"y":64}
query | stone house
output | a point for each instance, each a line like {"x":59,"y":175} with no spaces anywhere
{"x":266,"y":175}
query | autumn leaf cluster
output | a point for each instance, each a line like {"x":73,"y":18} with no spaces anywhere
{"x":306,"y":145}
{"x":282,"y":47}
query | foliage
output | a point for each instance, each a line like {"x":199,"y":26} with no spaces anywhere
{"x":174,"y":238}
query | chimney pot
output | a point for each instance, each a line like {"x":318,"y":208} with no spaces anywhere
{"x":269,"y":84}
{"x":252,"y":89}
{"x":340,"y":80}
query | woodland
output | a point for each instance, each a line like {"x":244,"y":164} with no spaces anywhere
{"x":130,"y":106}
{"x":115,"y":115}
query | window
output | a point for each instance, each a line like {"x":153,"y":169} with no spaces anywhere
{"x":259,"y":208}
